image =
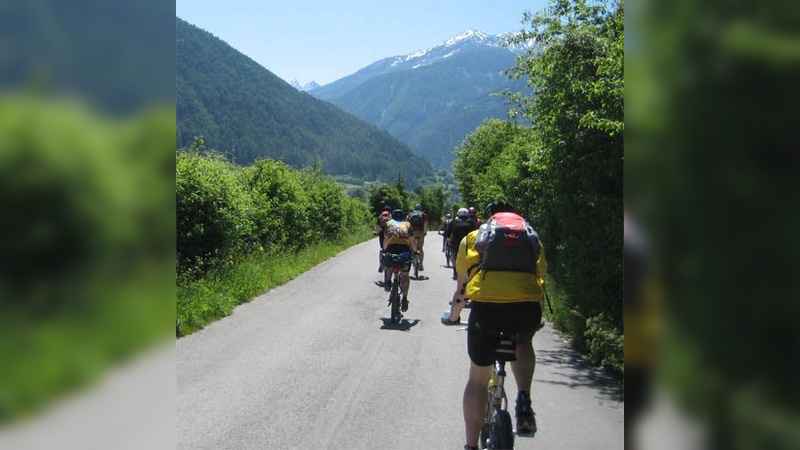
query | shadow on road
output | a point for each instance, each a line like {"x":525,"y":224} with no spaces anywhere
{"x":580,"y":372}
{"x":404,"y":324}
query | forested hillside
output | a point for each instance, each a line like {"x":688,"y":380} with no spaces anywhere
{"x":431,"y":108}
{"x":248,"y":113}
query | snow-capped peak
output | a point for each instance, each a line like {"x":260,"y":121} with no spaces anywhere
{"x":425,"y":57}
{"x":472,"y":35}
{"x":305,"y":87}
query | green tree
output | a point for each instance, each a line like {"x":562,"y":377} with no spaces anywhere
{"x":382,"y":194}
{"x":433,"y":199}
{"x":490,"y":165}
{"x":576,"y":104}
{"x":400,"y":185}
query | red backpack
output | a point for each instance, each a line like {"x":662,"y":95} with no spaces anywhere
{"x":507,"y":242}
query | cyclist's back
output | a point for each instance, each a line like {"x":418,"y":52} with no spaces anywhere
{"x":398,"y":241}
{"x":398,"y":234}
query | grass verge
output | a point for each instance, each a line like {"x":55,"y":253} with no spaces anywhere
{"x":202,"y":301}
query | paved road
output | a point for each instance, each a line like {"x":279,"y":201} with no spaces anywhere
{"x":315,"y":364}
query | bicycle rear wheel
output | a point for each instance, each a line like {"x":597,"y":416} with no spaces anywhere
{"x":498,"y":433}
{"x":394,"y":300}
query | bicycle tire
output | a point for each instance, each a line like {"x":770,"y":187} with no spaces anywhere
{"x":500,"y":433}
{"x":394,"y":299}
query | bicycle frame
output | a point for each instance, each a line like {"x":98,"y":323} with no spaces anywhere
{"x":393,"y":270}
{"x":497,"y":432}
{"x":497,"y":391}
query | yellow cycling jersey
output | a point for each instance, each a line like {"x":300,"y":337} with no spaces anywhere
{"x":498,"y":286}
{"x":397,"y":233}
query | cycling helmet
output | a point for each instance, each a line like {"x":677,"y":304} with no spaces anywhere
{"x":418,"y":206}
{"x":398,"y":214}
{"x":493,"y":208}
{"x":387,"y":208}
{"x":447,"y":216}
{"x":462,"y":212}
{"x":472,"y":210}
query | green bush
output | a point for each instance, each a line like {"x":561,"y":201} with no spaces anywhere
{"x":242,"y":230}
{"x":605,"y":343}
{"x":211,"y":220}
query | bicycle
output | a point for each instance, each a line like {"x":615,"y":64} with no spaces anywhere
{"x":497,"y":432}
{"x":394,"y":263}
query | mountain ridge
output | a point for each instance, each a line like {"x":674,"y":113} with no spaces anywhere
{"x":407,"y":94}
{"x":250,"y":113}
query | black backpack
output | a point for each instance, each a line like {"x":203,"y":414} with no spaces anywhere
{"x":458,"y":229}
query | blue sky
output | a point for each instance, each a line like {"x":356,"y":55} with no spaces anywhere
{"x":324,"y":40}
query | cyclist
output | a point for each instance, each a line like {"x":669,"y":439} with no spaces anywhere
{"x":443,"y":226}
{"x":398,"y":240}
{"x":458,"y":228}
{"x":473,"y":216}
{"x":461,"y":227}
{"x":509,"y":301}
{"x":380,"y":231}
{"x":418,"y":219}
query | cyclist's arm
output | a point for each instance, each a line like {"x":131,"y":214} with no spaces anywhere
{"x":541,"y":272}
{"x":541,"y":266}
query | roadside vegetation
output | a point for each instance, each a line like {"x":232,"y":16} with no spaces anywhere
{"x":242,"y":230}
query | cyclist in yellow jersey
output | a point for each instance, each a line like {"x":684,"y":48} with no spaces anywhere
{"x":501,"y":300}
{"x":398,"y":240}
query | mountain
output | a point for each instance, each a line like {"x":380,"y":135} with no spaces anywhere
{"x":249,"y":113}
{"x":432,"y":99}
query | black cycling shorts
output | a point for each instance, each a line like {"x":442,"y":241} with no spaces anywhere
{"x":487,"y":319}
{"x":398,"y":249}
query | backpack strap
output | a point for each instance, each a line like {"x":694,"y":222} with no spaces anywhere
{"x":470,"y":269}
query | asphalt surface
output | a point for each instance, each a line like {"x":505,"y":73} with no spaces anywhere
{"x":316,"y":364}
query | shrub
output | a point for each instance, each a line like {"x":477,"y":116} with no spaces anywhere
{"x":212,"y":206}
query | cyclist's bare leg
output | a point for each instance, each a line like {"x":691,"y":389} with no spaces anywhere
{"x":456,"y":304}
{"x":420,"y":244}
{"x":405,"y":283}
{"x":474,"y":402}
{"x":524,"y":366}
